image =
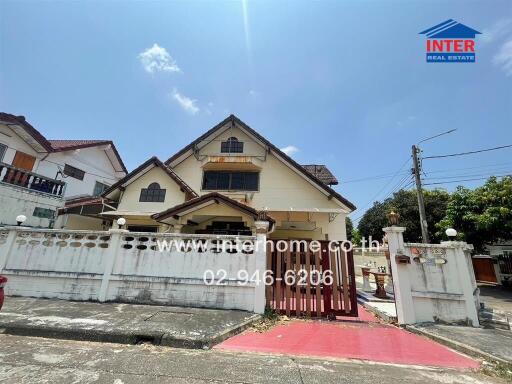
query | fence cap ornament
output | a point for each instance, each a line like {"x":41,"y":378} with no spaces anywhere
{"x":20,"y":219}
{"x":451,"y":233}
{"x":262,"y":226}
{"x":393,"y":218}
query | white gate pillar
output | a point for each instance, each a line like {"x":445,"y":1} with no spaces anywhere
{"x":401,"y":283}
{"x":260,"y":255}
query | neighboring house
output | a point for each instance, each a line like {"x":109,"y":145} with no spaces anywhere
{"x":501,"y":253}
{"x":221,"y":183}
{"x":37,"y":175}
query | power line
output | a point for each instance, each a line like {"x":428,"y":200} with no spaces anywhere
{"x":397,"y":185}
{"x":474,"y":179}
{"x":383,"y":176}
{"x":464,"y":175}
{"x":440,"y":134}
{"x":498,"y":166}
{"x":387,"y":184}
{"x":468,"y":153}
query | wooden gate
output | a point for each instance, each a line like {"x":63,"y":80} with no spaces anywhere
{"x":311,"y":278}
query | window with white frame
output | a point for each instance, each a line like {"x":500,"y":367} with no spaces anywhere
{"x":99,"y":188}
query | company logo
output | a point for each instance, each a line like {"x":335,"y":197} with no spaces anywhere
{"x":450,"y":42}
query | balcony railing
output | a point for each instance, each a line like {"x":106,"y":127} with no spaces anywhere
{"x":32,"y":181}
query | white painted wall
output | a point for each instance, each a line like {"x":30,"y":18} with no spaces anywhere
{"x":16,"y":201}
{"x":93,"y":161}
{"x":429,"y":291}
{"x":125,"y":267}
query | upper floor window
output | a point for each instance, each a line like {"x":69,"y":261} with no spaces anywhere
{"x":232,"y":145}
{"x":3,"y":149}
{"x":152,"y":194}
{"x":99,"y":188}
{"x":73,"y":172}
{"x":231,"y":180}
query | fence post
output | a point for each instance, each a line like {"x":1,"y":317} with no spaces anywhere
{"x":112,"y":252}
{"x":6,"y":248}
{"x":260,"y":261}
{"x":402,"y":285}
{"x":465,"y":273}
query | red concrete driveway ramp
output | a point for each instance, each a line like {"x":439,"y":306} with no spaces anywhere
{"x":365,"y":340}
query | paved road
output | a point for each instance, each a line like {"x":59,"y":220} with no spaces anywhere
{"x":39,"y":360}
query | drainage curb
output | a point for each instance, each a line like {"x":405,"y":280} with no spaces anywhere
{"x":456,"y":345}
{"x":127,"y":337}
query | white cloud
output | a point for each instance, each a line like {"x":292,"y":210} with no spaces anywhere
{"x":157,"y":59}
{"x":504,"y":58}
{"x":188,"y":104}
{"x":290,"y":150}
{"x":497,"y":30}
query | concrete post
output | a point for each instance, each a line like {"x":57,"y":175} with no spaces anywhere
{"x":260,"y":262}
{"x":112,"y":252}
{"x":6,"y":248}
{"x":402,"y":285}
{"x":465,"y":277}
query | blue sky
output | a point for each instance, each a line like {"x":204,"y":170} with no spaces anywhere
{"x":345,"y":83}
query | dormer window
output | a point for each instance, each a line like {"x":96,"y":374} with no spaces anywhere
{"x":232,"y":145}
{"x":152,"y":194}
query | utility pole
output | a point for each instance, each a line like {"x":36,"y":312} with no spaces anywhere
{"x":419,"y":192}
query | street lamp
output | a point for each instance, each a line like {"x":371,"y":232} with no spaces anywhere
{"x":121,"y":222}
{"x":451,"y":233}
{"x":20,"y":219}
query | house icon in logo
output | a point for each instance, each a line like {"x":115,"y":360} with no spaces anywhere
{"x":450,"y":42}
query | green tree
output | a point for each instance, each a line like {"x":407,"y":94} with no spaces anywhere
{"x":481,"y":216}
{"x":350,"y":228}
{"x":405,"y":203}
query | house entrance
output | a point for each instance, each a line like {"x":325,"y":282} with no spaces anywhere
{"x":310,"y":282}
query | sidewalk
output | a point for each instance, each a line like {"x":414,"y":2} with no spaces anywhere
{"x":494,"y":344}
{"x":365,"y":338}
{"x":121,"y":323}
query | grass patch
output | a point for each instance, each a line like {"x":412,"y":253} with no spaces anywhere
{"x":497,"y":369}
{"x":268,"y":321}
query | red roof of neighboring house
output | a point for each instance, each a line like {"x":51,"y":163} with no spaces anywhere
{"x":322,"y":173}
{"x":58,"y":145}
{"x":20,"y":120}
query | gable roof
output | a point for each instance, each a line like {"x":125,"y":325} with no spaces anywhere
{"x":450,"y":29}
{"x":19,"y":121}
{"x":55,"y":145}
{"x":69,"y":145}
{"x":292,"y":163}
{"x":155,"y":162}
{"x":322,"y":173}
{"x":215,"y":197}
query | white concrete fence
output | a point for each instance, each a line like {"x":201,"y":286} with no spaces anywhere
{"x":129,"y":267}
{"x":433,"y":282}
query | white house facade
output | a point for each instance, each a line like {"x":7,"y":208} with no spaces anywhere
{"x":222,"y":183}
